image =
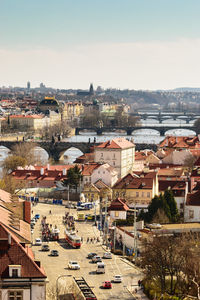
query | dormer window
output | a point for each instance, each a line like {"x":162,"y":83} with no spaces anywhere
{"x":14,"y":271}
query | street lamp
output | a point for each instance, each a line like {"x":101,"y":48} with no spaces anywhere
{"x":57,"y":283}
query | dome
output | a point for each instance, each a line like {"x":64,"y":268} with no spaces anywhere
{"x":49,"y":101}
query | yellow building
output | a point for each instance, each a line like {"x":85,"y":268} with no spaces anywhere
{"x":137,"y":190}
{"x":72,"y":110}
{"x":97,"y":190}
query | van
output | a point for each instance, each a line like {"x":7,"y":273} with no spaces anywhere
{"x":100,"y":268}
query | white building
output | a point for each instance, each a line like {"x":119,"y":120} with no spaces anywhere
{"x":192,"y":207}
{"x":118,"y":153}
{"x":106,"y":173}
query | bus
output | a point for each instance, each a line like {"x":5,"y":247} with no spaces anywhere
{"x":72,"y":239}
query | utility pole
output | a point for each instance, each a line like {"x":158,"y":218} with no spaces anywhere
{"x":100,"y":215}
{"x":95,"y":215}
{"x":135,"y":233}
{"x":114,"y":242}
{"x":124,"y":243}
{"x":105,"y":223}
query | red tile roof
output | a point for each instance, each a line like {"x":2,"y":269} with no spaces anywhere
{"x":131,"y":182}
{"x":193,"y":199}
{"x":89,"y":168}
{"x":16,"y":254}
{"x":117,"y":143}
{"x":180,"y":142}
{"x":119,"y":205}
{"x":174,"y":185}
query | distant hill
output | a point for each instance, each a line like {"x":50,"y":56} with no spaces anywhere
{"x":186,"y":89}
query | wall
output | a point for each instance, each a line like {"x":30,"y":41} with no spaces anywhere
{"x":196,"y":213}
{"x":121,"y":216}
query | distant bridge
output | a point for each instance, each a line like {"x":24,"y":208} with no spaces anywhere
{"x":163,"y":116}
{"x":129,"y":130}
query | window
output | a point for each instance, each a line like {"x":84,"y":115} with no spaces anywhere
{"x":148,"y":194}
{"x":116,"y":214}
{"x":191,"y":214}
{"x":137,"y":194}
{"x":113,"y":163}
{"x":15,"y":295}
{"x":142,"y":194}
{"x":14,"y":272}
{"x":101,"y":155}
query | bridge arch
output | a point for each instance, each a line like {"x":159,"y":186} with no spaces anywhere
{"x":180,"y":132}
{"x":145,"y":131}
{"x":69,"y":155}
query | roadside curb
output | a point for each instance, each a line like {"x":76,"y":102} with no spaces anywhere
{"x":130,"y":264}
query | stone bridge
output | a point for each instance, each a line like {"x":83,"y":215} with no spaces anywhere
{"x":129,"y":130}
{"x":54,"y":150}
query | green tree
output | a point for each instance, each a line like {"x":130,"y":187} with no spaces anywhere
{"x":74,"y":177}
{"x":13,"y":161}
{"x":169,"y":197}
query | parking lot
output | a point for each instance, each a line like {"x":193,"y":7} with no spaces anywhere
{"x":57,"y":266}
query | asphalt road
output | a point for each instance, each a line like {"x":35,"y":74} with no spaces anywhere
{"x":57,"y":266}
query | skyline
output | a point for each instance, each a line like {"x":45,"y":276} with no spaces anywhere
{"x":144,"y":44}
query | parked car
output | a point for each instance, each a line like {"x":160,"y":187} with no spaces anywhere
{"x":96,"y":259}
{"x":37,"y":216}
{"x":33,"y":221}
{"x":32,"y":226}
{"x":54,"y":253}
{"x":107,"y":285}
{"x":90,"y":217}
{"x":91,"y":255}
{"x":117,"y":278}
{"x":45,"y":247}
{"x":73,"y":265}
{"x":107,"y":255}
{"x":31,"y":231}
{"x":38,"y":242}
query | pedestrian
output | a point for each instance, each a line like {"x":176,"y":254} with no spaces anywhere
{"x":88,"y":239}
{"x":136,"y":291}
{"x":98,"y":240}
{"x":139,"y":282}
{"x":94,"y":239}
{"x":91,"y":240}
{"x":81,"y":239}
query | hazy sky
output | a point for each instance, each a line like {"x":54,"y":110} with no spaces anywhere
{"x":136,"y":44}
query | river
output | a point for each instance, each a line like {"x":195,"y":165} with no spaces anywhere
{"x":145,"y":136}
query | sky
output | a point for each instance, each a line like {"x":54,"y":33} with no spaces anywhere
{"x":134,"y":44}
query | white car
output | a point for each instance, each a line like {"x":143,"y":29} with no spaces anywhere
{"x":73,"y":265}
{"x":117,"y":278}
{"x":107,"y":255}
{"x":38,"y":242}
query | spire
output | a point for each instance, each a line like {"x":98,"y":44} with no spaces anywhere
{"x":91,"y":90}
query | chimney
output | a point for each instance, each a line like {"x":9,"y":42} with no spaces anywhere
{"x":9,"y":239}
{"x":64,"y":171}
{"x":27,"y":211}
{"x":42,"y":171}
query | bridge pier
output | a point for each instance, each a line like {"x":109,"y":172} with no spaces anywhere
{"x":77,"y":131}
{"x":129,"y":131}
{"x":99,"y":131}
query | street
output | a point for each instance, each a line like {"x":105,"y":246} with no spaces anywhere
{"x":56,"y":266}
